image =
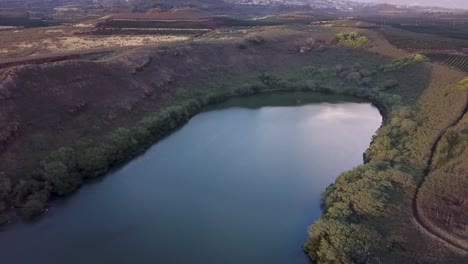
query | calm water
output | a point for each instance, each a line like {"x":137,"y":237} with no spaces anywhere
{"x":237,"y":184}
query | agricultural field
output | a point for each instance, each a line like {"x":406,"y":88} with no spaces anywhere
{"x":411,"y":40}
{"x":457,"y":61}
{"x":34,"y":42}
{"x":423,"y":33}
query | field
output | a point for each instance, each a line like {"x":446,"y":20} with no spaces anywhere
{"x":442,"y":40}
{"x":423,"y":33}
{"x":27,"y":43}
{"x":458,"y":61}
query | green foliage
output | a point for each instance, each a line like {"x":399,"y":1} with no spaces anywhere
{"x":241,"y":46}
{"x":255,"y":40}
{"x":92,"y":161}
{"x":403,"y":62}
{"x":58,"y":175}
{"x":5,"y":190}
{"x":338,"y":242}
{"x":316,"y":73}
{"x":343,"y":234}
{"x":391,"y":141}
{"x":463,"y":85}
{"x":351,"y":40}
{"x":364,"y":191}
{"x":270,"y":81}
{"x":35,"y":204}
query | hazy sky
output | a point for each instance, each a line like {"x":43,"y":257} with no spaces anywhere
{"x":442,"y":3}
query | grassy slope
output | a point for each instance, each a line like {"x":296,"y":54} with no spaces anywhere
{"x":149,"y":80}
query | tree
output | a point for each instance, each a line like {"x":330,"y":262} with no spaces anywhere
{"x":35,"y":204}
{"x":334,"y":241}
{"x":58,"y":175}
{"x":5,"y":189}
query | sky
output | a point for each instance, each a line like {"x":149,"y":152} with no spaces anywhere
{"x":442,"y":3}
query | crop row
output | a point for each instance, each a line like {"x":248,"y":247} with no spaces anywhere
{"x":458,"y":61}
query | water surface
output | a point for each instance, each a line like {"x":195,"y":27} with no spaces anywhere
{"x":239,"y":183}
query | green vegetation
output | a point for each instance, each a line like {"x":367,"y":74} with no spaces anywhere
{"x":400,"y":63}
{"x":344,"y":233}
{"x":255,"y":40}
{"x":463,"y":85}
{"x":351,"y":40}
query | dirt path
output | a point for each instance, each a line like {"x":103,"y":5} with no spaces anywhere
{"x":424,"y":228}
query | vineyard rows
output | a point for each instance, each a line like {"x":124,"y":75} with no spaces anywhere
{"x":458,"y":61}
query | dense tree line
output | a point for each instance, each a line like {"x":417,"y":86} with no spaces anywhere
{"x":344,"y":234}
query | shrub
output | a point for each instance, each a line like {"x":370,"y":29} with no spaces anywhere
{"x":334,"y":241}
{"x":5,"y":189}
{"x":343,"y":234}
{"x":354,"y":76}
{"x":351,"y":40}
{"x":390,"y":84}
{"x":35,"y":204}
{"x":366,"y":81}
{"x":255,"y":40}
{"x":403,"y":62}
{"x":463,"y":85}
{"x":271,"y":81}
{"x":58,"y":175}
{"x":92,"y":161}
{"x":241,"y":46}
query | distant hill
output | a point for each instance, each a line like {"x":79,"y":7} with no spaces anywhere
{"x":440,"y":3}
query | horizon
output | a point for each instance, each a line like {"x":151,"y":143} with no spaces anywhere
{"x":455,"y":4}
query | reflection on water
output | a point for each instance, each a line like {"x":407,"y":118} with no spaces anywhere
{"x":238,"y":184}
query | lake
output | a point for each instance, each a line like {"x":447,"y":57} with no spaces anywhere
{"x":239,"y":183}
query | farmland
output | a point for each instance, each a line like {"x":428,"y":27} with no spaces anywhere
{"x":458,"y":61}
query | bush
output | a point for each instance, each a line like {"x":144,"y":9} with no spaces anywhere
{"x":351,"y":40}
{"x":403,"y":62}
{"x":335,"y":241}
{"x":353,"y":76}
{"x":390,"y":84}
{"x":270,"y":81}
{"x":241,"y":46}
{"x":255,"y":40}
{"x":5,"y":189}
{"x":35,"y":204}
{"x":59,"y":176}
{"x":92,"y":161}
{"x":343,"y":234}
{"x":463,"y":85}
